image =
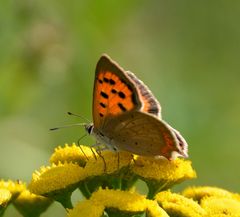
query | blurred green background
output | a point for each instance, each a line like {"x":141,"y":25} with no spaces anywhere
{"x":187,"y":52}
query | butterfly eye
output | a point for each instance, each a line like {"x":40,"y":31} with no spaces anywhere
{"x":89,"y":128}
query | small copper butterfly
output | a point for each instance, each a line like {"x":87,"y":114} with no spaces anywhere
{"x":126,"y":115}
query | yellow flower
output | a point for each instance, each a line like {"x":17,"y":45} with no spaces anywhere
{"x":161,"y":174}
{"x":178,"y":205}
{"x":116,"y":201}
{"x":121,"y":200}
{"x":154,"y":210}
{"x":219,"y":206}
{"x":29,"y":204}
{"x":197,"y":193}
{"x":63,"y":177}
{"x":161,"y":169}
{"x":77,"y":154}
{"x":5,"y":197}
{"x":15,"y":188}
{"x":86,"y":208}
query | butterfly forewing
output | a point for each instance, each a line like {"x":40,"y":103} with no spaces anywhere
{"x":114,"y":93}
{"x":150,"y":103}
{"x":140,"y":133}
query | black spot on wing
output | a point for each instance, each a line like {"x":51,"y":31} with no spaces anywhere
{"x":106,"y":80}
{"x":112,"y":82}
{"x":104,"y":95}
{"x":100,"y":81}
{"x":113,"y":91}
{"x":100,"y":114}
{"x":121,"y":95}
{"x":102,"y":104}
{"x":120,"y":105}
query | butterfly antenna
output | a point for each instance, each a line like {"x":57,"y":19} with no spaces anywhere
{"x":80,"y":116}
{"x":67,"y":126}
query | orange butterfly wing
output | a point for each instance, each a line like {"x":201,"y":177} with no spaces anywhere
{"x":114,"y":93}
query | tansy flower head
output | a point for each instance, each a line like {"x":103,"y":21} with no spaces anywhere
{"x":5,"y":197}
{"x":115,"y":202}
{"x":31,"y":205}
{"x":197,"y":193}
{"x":221,"y":207}
{"x":77,"y":154}
{"x":86,"y":208}
{"x":161,"y":174}
{"x":161,"y":169}
{"x":56,"y":180}
{"x":15,"y":188}
{"x":178,"y":205}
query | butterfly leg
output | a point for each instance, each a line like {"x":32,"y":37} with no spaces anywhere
{"x":118,"y":160}
{"x":104,"y":162}
{"x":94,"y":153}
{"x":78,"y":142}
{"x":82,"y":149}
{"x":99,"y":148}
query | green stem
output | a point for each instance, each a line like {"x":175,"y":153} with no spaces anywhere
{"x":154,"y":188}
{"x":118,"y":183}
{"x":2,"y":210}
{"x":65,"y":200}
{"x":85,"y":190}
{"x":129,"y":182}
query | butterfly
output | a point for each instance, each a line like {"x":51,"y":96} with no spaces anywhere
{"x":126,"y":115}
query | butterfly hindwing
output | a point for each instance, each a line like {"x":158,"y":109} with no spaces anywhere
{"x":140,"y":133}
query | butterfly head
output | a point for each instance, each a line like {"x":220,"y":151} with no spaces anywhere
{"x":89,"y":128}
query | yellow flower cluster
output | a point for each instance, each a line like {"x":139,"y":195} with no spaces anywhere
{"x":169,"y":204}
{"x":115,"y":201}
{"x":53,"y":178}
{"x":26,"y":203}
{"x":216,"y":202}
{"x":107,"y":179}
